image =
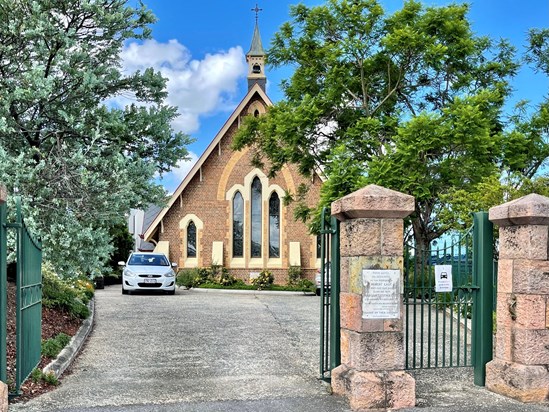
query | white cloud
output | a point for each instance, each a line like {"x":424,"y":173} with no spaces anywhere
{"x":195,"y":87}
{"x":171,"y":180}
{"x":184,"y":166}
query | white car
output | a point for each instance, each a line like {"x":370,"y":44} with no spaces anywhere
{"x":318,"y":282}
{"x":148,"y":271}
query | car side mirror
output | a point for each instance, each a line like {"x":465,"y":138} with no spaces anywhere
{"x":174,"y":265}
{"x":121,"y":263}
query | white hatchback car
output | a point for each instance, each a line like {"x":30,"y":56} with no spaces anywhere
{"x":148,"y":271}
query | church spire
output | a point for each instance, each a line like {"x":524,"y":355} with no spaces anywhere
{"x":256,"y":57}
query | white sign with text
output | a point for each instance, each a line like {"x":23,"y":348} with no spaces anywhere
{"x":443,"y":278}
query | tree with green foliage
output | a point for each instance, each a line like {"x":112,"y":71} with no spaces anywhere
{"x":123,"y":243}
{"x":525,"y":150}
{"x":78,"y":162}
{"x":411,"y":101}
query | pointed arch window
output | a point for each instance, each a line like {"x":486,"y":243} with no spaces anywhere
{"x":238,"y":225}
{"x":274,"y":226}
{"x":256,"y":238}
{"x":191,"y":240}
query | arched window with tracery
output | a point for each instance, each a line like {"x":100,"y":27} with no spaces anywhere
{"x":191,"y":240}
{"x":255,"y":226}
{"x":238,"y":225}
{"x":274,"y":226}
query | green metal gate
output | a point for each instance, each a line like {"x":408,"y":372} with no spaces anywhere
{"x":28,"y":297}
{"x":330,"y":355}
{"x":454,"y":328}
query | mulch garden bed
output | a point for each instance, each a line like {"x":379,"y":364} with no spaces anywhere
{"x":54,"y":321}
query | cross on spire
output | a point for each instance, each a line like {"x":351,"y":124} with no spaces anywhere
{"x":256,"y":9}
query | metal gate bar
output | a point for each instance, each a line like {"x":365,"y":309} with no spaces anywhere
{"x":483,"y":276}
{"x":330,"y":355}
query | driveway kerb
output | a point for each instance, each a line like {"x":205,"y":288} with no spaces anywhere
{"x":251,"y":292}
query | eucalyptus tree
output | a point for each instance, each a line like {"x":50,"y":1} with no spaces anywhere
{"x":79,"y":161}
{"x":410,"y":100}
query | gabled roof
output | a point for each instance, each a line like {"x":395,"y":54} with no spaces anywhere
{"x":234,"y":116}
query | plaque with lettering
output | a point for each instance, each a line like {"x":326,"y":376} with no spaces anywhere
{"x":381,"y":294}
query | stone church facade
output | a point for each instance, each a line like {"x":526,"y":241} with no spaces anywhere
{"x":227,"y":212}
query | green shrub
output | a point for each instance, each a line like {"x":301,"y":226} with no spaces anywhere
{"x":188,"y":278}
{"x":79,"y":310}
{"x":70,"y":295}
{"x":113,"y":277}
{"x":306,"y":285}
{"x":50,"y":379}
{"x":294,"y":275}
{"x":264,"y":280}
{"x":52,"y":347}
{"x":37,"y":376}
{"x":192,"y":278}
{"x":83,"y":287}
{"x":224,"y":278}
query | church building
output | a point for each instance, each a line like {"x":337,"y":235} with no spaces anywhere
{"x":227,"y":212}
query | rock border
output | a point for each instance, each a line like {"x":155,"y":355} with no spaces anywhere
{"x":69,"y":352}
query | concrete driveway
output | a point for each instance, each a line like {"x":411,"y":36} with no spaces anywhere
{"x":196,"y":351}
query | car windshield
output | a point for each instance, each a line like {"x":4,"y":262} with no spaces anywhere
{"x":148,"y":260}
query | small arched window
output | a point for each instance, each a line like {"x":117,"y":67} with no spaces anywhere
{"x":256,"y":227}
{"x":274,"y":226}
{"x":256,"y":69}
{"x":191,"y":240}
{"x":256,"y":113}
{"x":238,"y":225}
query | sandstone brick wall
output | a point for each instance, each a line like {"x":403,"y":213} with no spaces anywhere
{"x":205,"y":197}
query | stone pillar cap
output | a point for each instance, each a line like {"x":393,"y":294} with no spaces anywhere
{"x":528,"y":210}
{"x":373,"y":201}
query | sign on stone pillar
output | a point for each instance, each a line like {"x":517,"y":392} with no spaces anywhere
{"x":381,"y":298}
{"x":520,"y":368}
{"x":372,"y":373}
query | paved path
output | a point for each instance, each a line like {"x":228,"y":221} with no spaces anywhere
{"x":196,"y":351}
{"x":212,"y":351}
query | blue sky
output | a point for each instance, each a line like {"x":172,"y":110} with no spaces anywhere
{"x":200,"y":47}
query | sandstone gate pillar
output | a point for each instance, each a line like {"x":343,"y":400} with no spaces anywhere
{"x":520,"y":368}
{"x":372,"y":372}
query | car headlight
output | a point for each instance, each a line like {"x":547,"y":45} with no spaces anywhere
{"x":129,"y":273}
{"x":170,"y":274}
